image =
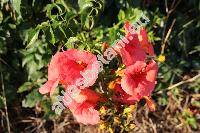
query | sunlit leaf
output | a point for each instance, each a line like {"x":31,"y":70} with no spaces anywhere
{"x":17,"y":5}
{"x":34,"y":38}
{"x":31,"y":99}
{"x":26,"y":86}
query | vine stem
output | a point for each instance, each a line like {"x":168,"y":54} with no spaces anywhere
{"x":5,"y":104}
{"x":182,"y":82}
{"x":167,"y":36}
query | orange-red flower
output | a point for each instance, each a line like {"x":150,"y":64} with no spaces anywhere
{"x":83,"y":106}
{"x":130,"y":51}
{"x":121,"y":96}
{"x":144,"y":42}
{"x":134,"y":46}
{"x":140,"y":79}
{"x":142,"y":38}
{"x":78,"y":70}
{"x":69,"y":66}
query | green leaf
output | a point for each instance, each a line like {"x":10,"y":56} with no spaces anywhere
{"x":41,"y":49}
{"x":61,"y":29}
{"x":33,"y":2}
{"x":38,"y":56}
{"x":46,"y":106}
{"x":89,"y":23}
{"x":192,"y":122}
{"x":53,"y":40}
{"x":16,"y":5}
{"x":27,"y":59}
{"x":1,"y":102}
{"x":26,"y":86}
{"x":34,"y":38}
{"x":72,"y":41}
{"x":12,"y":26}
{"x":32,"y":67}
{"x":121,"y":15}
{"x":31,"y":99}
{"x":1,"y":17}
{"x":84,"y":4}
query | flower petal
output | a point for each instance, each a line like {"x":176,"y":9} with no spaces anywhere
{"x":128,"y":84}
{"x":146,"y":45}
{"x":86,"y":114}
{"x":130,"y":54}
{"x":49,"y":86}
{"x":152,"y":69}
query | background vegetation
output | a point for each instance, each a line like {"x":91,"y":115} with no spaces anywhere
{"x":31,"y":31}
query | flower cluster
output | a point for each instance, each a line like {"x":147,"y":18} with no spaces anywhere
{"x":78,"y":71}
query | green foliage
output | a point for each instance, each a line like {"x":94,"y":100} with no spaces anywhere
{"x":31,"y":99}
{"x":190,"y":119}
{"x":16,"y":6}
{"x":1,"y":102}
{"x":24,"y":87}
